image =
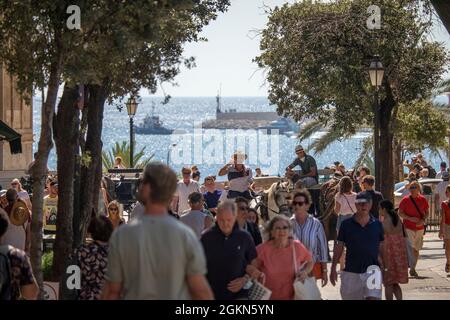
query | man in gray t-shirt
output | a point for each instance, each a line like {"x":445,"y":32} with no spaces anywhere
{"x":196,"y":218}
{"x":156,"y":256}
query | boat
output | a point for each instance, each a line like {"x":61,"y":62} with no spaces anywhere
{"x":233,"y":119}
{"x":283,"y":125}
{"x":152,"y":125}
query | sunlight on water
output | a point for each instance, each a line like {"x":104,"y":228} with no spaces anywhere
{"x":183,"y":113}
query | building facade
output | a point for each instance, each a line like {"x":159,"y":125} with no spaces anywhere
{"x":17,"y":114}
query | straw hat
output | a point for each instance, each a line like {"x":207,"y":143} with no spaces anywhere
{"x":19,"y":213}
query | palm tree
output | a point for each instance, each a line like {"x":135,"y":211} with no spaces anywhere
{"x":123,"y":150}
{"x":319,"y":145}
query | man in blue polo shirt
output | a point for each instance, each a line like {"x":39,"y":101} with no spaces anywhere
{"x":363,"y":238}
{"x":229,"y":252}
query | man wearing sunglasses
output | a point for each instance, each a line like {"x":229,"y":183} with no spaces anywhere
{"x":185,"y":187}
{"x":309,"y":174}
{"x":242,"y":220}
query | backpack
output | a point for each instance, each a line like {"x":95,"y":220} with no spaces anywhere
{"x":5,"y":274}
{"x":431,"y":172}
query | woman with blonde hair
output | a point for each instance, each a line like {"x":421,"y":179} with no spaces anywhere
{"x":276,"y":259}
{"x":115,"y":214}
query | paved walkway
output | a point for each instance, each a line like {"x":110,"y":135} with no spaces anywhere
{"x":433,"y":284}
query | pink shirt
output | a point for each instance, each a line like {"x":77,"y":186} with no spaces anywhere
{"x":278,"y":266}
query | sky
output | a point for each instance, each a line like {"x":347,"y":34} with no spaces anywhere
{"x":226,"y":58}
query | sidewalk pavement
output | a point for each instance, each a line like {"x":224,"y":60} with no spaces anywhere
{"x":433,"y":283}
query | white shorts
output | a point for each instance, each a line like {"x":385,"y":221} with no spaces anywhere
{"x":415,"y":238}
{"x":354,"y":286}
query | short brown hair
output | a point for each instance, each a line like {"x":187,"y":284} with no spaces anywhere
{"x":162,"y":180}
{"x":370,"y":180}
{"x":241,"y":200}
{"x":303,"y":193}
{"x":345,"y":185}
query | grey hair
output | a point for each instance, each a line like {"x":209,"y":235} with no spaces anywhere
{"x":269,"y":226}
{"x":227,"y":205}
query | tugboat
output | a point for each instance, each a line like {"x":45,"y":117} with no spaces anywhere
{"x":152,"y":125}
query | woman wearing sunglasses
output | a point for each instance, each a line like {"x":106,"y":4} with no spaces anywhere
{"x":115,"y":214}
{"x":276,"y":259}
{"x":414,"y":210}
{"x":309,"y":231}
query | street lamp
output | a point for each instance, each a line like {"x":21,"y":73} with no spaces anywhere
{"x":376,"y":73}
{"x":131,"y":109}
{"x":168,"y":152}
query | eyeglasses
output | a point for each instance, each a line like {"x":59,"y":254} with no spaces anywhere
{"x":113,"y":209}
{"x":243,"y":208}
{"x":281,"y":228}
{"x":300,"y":203}
{"x":412,"y":188}
{"x":186,"y":173}
{"x":299,"y":151}
{"x":14,"y":184}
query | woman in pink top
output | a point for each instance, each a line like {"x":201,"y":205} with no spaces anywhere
{"x":275,"y":259}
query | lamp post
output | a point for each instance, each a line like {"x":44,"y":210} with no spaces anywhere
{"x":376,"y":73}
{"x":131,"y":109}
{"x":168,"y":152}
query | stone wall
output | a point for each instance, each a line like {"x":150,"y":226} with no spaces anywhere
{"x":18,"y":115}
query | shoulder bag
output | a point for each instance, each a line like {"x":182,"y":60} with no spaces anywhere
{"x":308,"y":289}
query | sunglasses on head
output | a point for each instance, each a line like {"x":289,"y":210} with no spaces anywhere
{"x":300,"y":203}
{"x":281,"y":228}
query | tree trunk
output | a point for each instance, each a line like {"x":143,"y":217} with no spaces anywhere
{"x":442,"y":8}
{"x":398,"y":161}
{"x":66,"y":132}
{"x":385,"y":150}
{"x":90,"y":180}
{"x":39,"y":172}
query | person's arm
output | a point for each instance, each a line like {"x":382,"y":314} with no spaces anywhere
{"x":111,"y":290}
{"x":293,"y":164}
{"x":199,"y":288}
{"x":337,"y":207}
{"x":382,"y":258}
{"x":337,"y":253}
{"x":442,"y":225}
{"x":312,"y":173}
{"x":404,"y":216}
{"x":224,"y":170}
{"x":174,"y":204}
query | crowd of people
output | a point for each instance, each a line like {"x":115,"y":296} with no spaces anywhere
{"x":185,"y":240}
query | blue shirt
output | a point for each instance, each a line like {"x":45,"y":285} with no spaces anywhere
{"x":362,"y":243}
{"x":227,"y":258}
{"x":212,"y":198}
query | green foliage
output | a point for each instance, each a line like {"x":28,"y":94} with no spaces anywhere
{"x":420,"y":125}
{"x":123,"y":150}
{"x":122,"y":45}
{"x":317,"y":56}
{"x":47,"y":261}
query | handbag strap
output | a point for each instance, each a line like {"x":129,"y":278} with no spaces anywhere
{"x":415,"y":205}
{"x":348,"y":203}
{"x":294,"y":256}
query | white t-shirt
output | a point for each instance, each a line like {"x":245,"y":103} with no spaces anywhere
{"x":183,"y":192}
{"x":347,"y":202}
{"x":440,"y":189}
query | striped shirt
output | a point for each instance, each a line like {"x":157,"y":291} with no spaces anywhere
{"x":312,"y":235}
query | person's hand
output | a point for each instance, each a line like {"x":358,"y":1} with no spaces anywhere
{"x":302,"y":276}
{"x":421,"y":222}
{"x":236,"y":284}
{"x":413,"y":219}
{"x":333,"y":276}
{"x":324,"y":278}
